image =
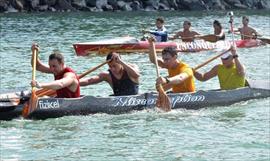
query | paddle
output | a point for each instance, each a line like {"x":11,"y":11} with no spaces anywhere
{"x":265,"y":40}
{"x":210,"y":37}
{"x":210,"y":60}
{"x":50,"y":92}
{"x":163,"y":101}
{"x":29,"y":106}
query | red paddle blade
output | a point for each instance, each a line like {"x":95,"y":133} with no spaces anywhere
{"x":30,"y":106}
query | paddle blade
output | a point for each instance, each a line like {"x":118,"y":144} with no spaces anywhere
{"x":210,"y":38}
{"x":163,"y":101}
{"x":30,"y":106}
{"x":265,"y":40}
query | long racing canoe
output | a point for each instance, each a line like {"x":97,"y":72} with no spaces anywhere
{"x":131,"y":45}
{"x":58,"y":107}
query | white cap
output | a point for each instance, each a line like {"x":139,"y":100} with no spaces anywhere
{"x":226,"y":55}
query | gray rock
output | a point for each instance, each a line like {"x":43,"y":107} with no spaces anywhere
{"x":240,"y":6}
{"x":48,"y":2}
{"x":136,"y":6}
{"x":263,"y":4}
{"x":34,"y":4}
{"x":107,"y":7}
{"x":3,"y":5}
{"x":153,"y":3}
{"x":215,"y":5}
{"x":66,"y":6}
{"x":101,"y":3}
{"x":124,"y":6}
{"x":170,"y":3}
{"x":43,"y":8}
{"x":163,"y":7}
{"x":194,"y":4}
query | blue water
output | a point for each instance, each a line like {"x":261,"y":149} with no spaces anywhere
{"x":237,"y":132}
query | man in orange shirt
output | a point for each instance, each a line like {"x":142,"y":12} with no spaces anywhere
{"x":180,"y":77}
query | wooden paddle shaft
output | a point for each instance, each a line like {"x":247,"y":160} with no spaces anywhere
{"x":34,"y":66}
{"x":93,"y":69}
{"x":210,"y":60}
{"x":152,"y":44}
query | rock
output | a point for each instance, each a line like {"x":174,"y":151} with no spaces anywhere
{"x":19,"y":5}
{"x":101,"y":3}
{"x":136,"y":6}
{"x":123,"y":6}
{"x":232,"y":2}
{"x":107,"y":7}
{"x":194,"y":5}
{"x":80,"y":5}
{"x":64,"y":5}
{"x":240,"y":6}
{"x":3,"y":5}
{"x":170,"y":3}
{"x":263,"y":4}
{"x":215,"y":5}
{"x":43,"y":8}
{"x":34,"y":4}
{"x":163,"y":7}
{"x":48,"y":2}
{"x":12,"y":9}
{"x":151,"y":4}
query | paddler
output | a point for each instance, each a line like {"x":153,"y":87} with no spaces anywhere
{"x":180,"y":78}
{"x":66,"y":81}
{"x":160,"y":33}
{"x":218,"y":31}
{"x":187,"y":35}
{"x":246,"y":31}
{"x":123,"y":77}
{"x":231,"y":73}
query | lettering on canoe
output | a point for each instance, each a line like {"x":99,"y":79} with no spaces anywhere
{"x":133,"y":101}
{"x":48,"y":104}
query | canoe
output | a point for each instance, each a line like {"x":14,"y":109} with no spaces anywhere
{"x":131,"y":45}
{"x":58,"y":107}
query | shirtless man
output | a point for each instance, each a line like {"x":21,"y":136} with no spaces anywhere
{"x":246,"y":31}
{"x":186,"y":35}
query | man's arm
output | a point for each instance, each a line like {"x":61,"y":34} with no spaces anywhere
{"x":239,"y":67}
{"x":152,"y":54}
{"x":66,"y":81}
{"x":40,"y":66}
{"x":95,"y":79}
{"x":206,"y":76}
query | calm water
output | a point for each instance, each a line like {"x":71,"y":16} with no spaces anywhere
{"x":237,"y":132}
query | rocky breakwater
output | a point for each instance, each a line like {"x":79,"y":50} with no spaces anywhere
{"x":128,"y":5}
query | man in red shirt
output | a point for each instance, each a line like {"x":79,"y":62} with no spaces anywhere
{"x":66,"y":81}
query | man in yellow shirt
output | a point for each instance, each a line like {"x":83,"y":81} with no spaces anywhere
{"x":231,"y":73}
{"x":180,"y":77}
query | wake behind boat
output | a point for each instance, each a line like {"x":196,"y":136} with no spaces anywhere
{"x":131,"y":45}
{"x":58,"y":107}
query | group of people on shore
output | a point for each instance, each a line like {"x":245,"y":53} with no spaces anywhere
{"x":188,"y":35}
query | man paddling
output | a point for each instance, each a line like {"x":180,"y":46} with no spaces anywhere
{"x":122,"y":77}
{"x":66,"y":81}
{"x":186,"y":35}
{"x":180,"y":77}
{"x":160,"y":32}
{"x":246,"y":31}
{"x":231,"y":73}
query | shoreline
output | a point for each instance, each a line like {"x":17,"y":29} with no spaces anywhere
{"x":10,"y":6}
